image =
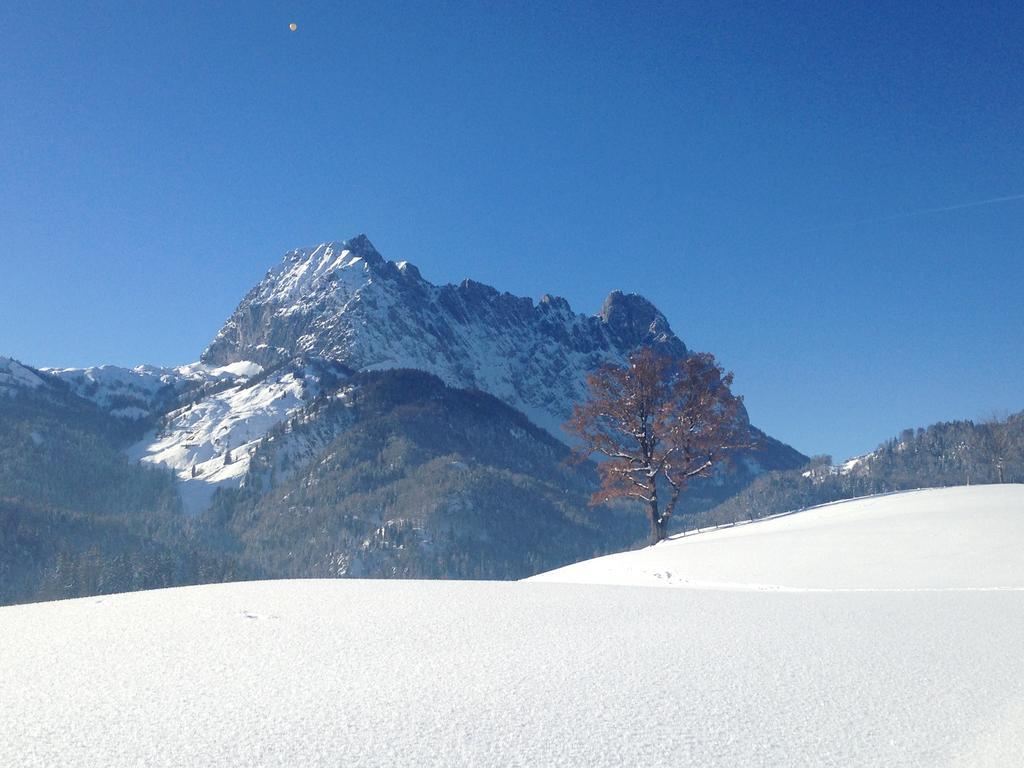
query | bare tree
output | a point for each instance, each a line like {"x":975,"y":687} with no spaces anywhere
{"x":997,"y":436}
{"x":658,"y":422}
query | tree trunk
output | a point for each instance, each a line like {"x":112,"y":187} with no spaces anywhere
{"x":659,"y":525}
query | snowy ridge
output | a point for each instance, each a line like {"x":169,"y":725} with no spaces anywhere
{"x":138,"y":392}
{"x":303,"y":437}
{"x":343,"y":301}
{"x":14,"y":376}
{"x":421,"y":673}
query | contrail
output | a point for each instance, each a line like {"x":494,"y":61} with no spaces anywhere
{"x":922,"y":212}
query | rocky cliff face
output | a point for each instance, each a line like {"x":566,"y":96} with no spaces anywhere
{"x":344,"y":302}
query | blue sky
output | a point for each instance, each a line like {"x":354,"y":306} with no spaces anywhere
{"x":762,"y":174}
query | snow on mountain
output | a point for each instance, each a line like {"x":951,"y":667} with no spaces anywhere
{"x":208,"y":442}
{"x":850,"y":466}
{"x":962,"y":538}
{"x":916,"y":668}
{"x":14,"y":376}
{"x":137,"y":392}
{"x":343,"y":301}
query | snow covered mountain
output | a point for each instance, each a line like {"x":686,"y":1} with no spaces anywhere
{"x":346,"y":306}
{"x":349,"y":418}
{"x":907,"y":653}
{"x":343,"y":301}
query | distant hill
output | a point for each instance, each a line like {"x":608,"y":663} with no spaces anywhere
{"x":944,"y":454}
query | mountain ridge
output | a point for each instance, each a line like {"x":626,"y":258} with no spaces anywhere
{"x":345,"y":302}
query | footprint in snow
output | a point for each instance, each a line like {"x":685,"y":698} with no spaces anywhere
{"x":258,"y":616}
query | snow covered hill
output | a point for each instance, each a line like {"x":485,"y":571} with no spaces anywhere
{"x":962,"y":538}
{"x":920,"y":668}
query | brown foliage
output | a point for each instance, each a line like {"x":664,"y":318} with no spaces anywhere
{"x":658,"y":422}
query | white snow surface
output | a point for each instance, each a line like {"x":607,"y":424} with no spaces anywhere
{"x":399,"y":673}
{"x":964,"y":538}
{"x":851,"y":464}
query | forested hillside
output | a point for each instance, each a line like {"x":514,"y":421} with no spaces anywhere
{"x":77,"y":517}
{"x":944,"y":454}
{"x":413,"y":478}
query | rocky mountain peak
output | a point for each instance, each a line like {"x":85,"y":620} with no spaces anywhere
{"x":344,"y":302}
{"x":635,"y":321}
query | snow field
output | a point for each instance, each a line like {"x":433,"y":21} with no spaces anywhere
{"x":922,"y":670}
{"x":322,"y":673}
{"x":939,"y":539}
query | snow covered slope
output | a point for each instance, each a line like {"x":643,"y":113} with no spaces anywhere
{"x":964,"y":538}
{"x":392,"y":673}
{"x":208,"y":441}
{"x":327,"y":673}
{"x":15,"y":376}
